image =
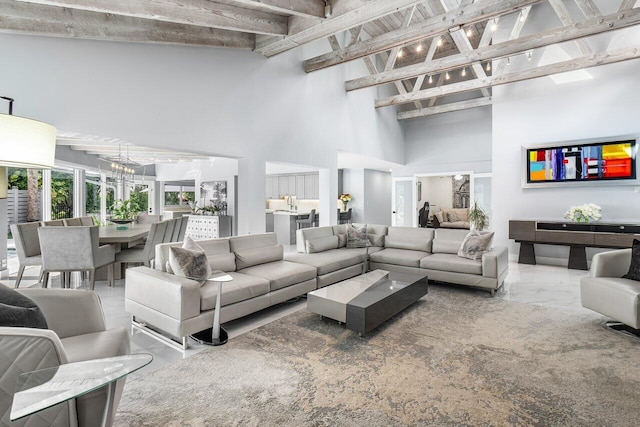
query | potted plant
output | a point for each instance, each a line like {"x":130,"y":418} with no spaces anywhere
{"x":208,"y":210}
{"x":478,"y":217}
{"x":124,"y":211}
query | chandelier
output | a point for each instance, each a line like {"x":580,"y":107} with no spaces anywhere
{"x":122,"y":167}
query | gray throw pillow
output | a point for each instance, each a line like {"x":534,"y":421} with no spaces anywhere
{"x":356,"y":237}
{"x":190,"y":261}
{"x":17,"y":310}
{"x":634,"y":267}
{"x":453,"y":217}
{"x":475,"y":244}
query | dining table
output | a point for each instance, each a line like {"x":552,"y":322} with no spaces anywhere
{"x":121,"y":237}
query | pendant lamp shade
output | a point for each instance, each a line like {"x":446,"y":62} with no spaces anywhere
{"x":26,"y":143}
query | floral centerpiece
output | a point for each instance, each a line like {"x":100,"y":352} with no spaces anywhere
{"x":584,"y":213}
{"x":345,"y":199}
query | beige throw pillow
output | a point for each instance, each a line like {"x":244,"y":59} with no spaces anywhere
{"x":439,"y":217}
{"x":190,"y":261}
{"x":475,"y":244}
{"x":452,"y":216}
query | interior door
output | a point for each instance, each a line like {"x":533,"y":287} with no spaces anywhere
{"x":403,"y":202}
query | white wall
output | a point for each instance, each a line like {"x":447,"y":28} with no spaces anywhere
{"x":353,"y":183}
{"x":538,"y":112}
{"x":452,"y":142}
{"x":437,"y":190}
{"x":231,"y":103}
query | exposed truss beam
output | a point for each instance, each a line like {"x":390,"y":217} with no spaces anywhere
{"x":33,"y":19}
{"x":565,"y":18}
{"x":515,"y":33}
{"x":202,"y":13}
{"x":304,"y":8}
{"x":588,"y":8}
{"x":431,"y":27}
{"x":446,"y":108}
{"x":346,"y":14}
{"x":547,"y":70}
{"x":587,"y":28}
{"x":627,"y":4}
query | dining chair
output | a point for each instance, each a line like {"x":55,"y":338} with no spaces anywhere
{"x":25,"y":236}
{"x":53,"y":223}
{"x":344,"y":217}
{"x":168,"y":233}
{"x":307,"y":222}
{"x":144,"y":254}
{"x":71,"y":249}
{"x":183,"y":228}
{"x":73,"y":222}
{"x":145,"y":218}
{"x":87,"y":221}
{"x":175,"y":237}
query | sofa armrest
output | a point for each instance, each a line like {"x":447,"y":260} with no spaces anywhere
{"x":171,"y":295}
{"x":69,"y":312}
{"x":495,"y":262}
{"x":610,"y":264}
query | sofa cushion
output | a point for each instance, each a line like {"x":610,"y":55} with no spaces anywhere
{"x":458,"y":224}
{"x":356,"y":236}
{"x":321,"y":244}
{"x":305,"y":234}
{"x":418,"y":239}
{"x":219,"y":254}
{"x":376,"y":240}
{"x":406,"y":257}
{"x":241,"y":288}
{"x":281,"y":274}
{"x":252,"y":241}
{"x":475,"y":245}
{"x":328,"y":261}
{"x":18,"y":310}
{"x":452,"y":263}
{"x":448,"y":241}
{"x":256,"y":256}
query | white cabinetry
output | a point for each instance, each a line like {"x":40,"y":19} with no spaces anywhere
{"x":302,"y":186}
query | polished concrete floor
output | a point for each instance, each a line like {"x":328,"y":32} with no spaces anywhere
{"x":551,"y":286}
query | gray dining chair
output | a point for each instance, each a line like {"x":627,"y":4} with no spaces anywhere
{"x":74,"y":248}
{"x":73,"y":222}
{"x":87,"y":221}
{"x":183,"y":228}
{"x":145,"y":218}
{"x":140,"y":254}
{"x":168,"y":232}
{"x":175,"y":237}
{"x":307,"y":222}
{"x":53,"y":223}
{"x":25,"y":236}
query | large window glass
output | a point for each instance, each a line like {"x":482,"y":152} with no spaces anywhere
{"x":92,"y":185}
{"x":61,"y":194}
{"x":111,"y":195}
{"x":140,"y":196}
{"x":25,"y":192}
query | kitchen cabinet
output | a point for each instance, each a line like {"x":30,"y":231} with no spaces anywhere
{"x":308,"y":186}
{"x":283,"y":186}
{"x":302,"y":186}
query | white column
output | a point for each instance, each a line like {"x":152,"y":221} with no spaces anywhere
{"x":103,"y":196}
{"x":46,"y":195}
{"x":160,"y":197}
{"x":4,"y":223}
{"x":328,"y":181}
{"x":79,"y":193}
{"x":251,"y":202}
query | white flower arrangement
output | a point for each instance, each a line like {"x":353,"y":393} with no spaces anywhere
{"x":584,"y":213}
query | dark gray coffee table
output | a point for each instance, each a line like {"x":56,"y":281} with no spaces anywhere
{"x":364,"y":302}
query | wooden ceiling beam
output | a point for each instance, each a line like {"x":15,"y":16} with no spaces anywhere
{"x":203,"y":13}
{"x":590,"y":27}
{"x":431,"y":27}
{"x":303,"y":8}
{"x":34,"y":19}
{"x":346,"y":14}
{"x":445,"y":108}
{"x":547,"y":70}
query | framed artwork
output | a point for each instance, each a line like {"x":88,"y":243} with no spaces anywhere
{"x":214,"y":193}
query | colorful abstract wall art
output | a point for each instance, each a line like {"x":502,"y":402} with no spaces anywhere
{"x":589,"y":162}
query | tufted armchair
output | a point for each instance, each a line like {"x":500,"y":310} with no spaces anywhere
{"x":77,"y":332}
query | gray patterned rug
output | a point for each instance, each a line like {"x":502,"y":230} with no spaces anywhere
{"x":456,"y":358}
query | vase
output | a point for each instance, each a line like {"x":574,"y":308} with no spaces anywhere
{"x":344,"y":206}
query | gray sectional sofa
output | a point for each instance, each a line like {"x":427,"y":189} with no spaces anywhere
{"x":263,"y":275}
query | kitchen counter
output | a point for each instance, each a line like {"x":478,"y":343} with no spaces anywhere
{"x":290,"y":213}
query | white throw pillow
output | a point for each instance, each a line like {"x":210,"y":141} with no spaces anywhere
{"x":475,"y":244}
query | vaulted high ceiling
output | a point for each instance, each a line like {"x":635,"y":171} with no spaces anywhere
{"x":436,"y":55}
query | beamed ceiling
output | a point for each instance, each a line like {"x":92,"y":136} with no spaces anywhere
{"x":437,"y":56}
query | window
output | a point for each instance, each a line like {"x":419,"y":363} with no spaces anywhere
{"x":92,"y":190}
{"x":61,"y":194}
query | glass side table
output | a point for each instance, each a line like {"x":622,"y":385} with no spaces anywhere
{"x":216,"y":335}
{"x":39,"y":390}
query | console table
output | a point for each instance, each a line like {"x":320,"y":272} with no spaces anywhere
{"x":577,"y":236}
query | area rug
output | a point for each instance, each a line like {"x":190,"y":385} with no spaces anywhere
{"x":455,"y":358}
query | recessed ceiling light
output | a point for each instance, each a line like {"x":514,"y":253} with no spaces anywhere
{"x":419,"y":47}
{"x":469,"y":32}
{"x":440,"y":41}
{"x":400,"y":53}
